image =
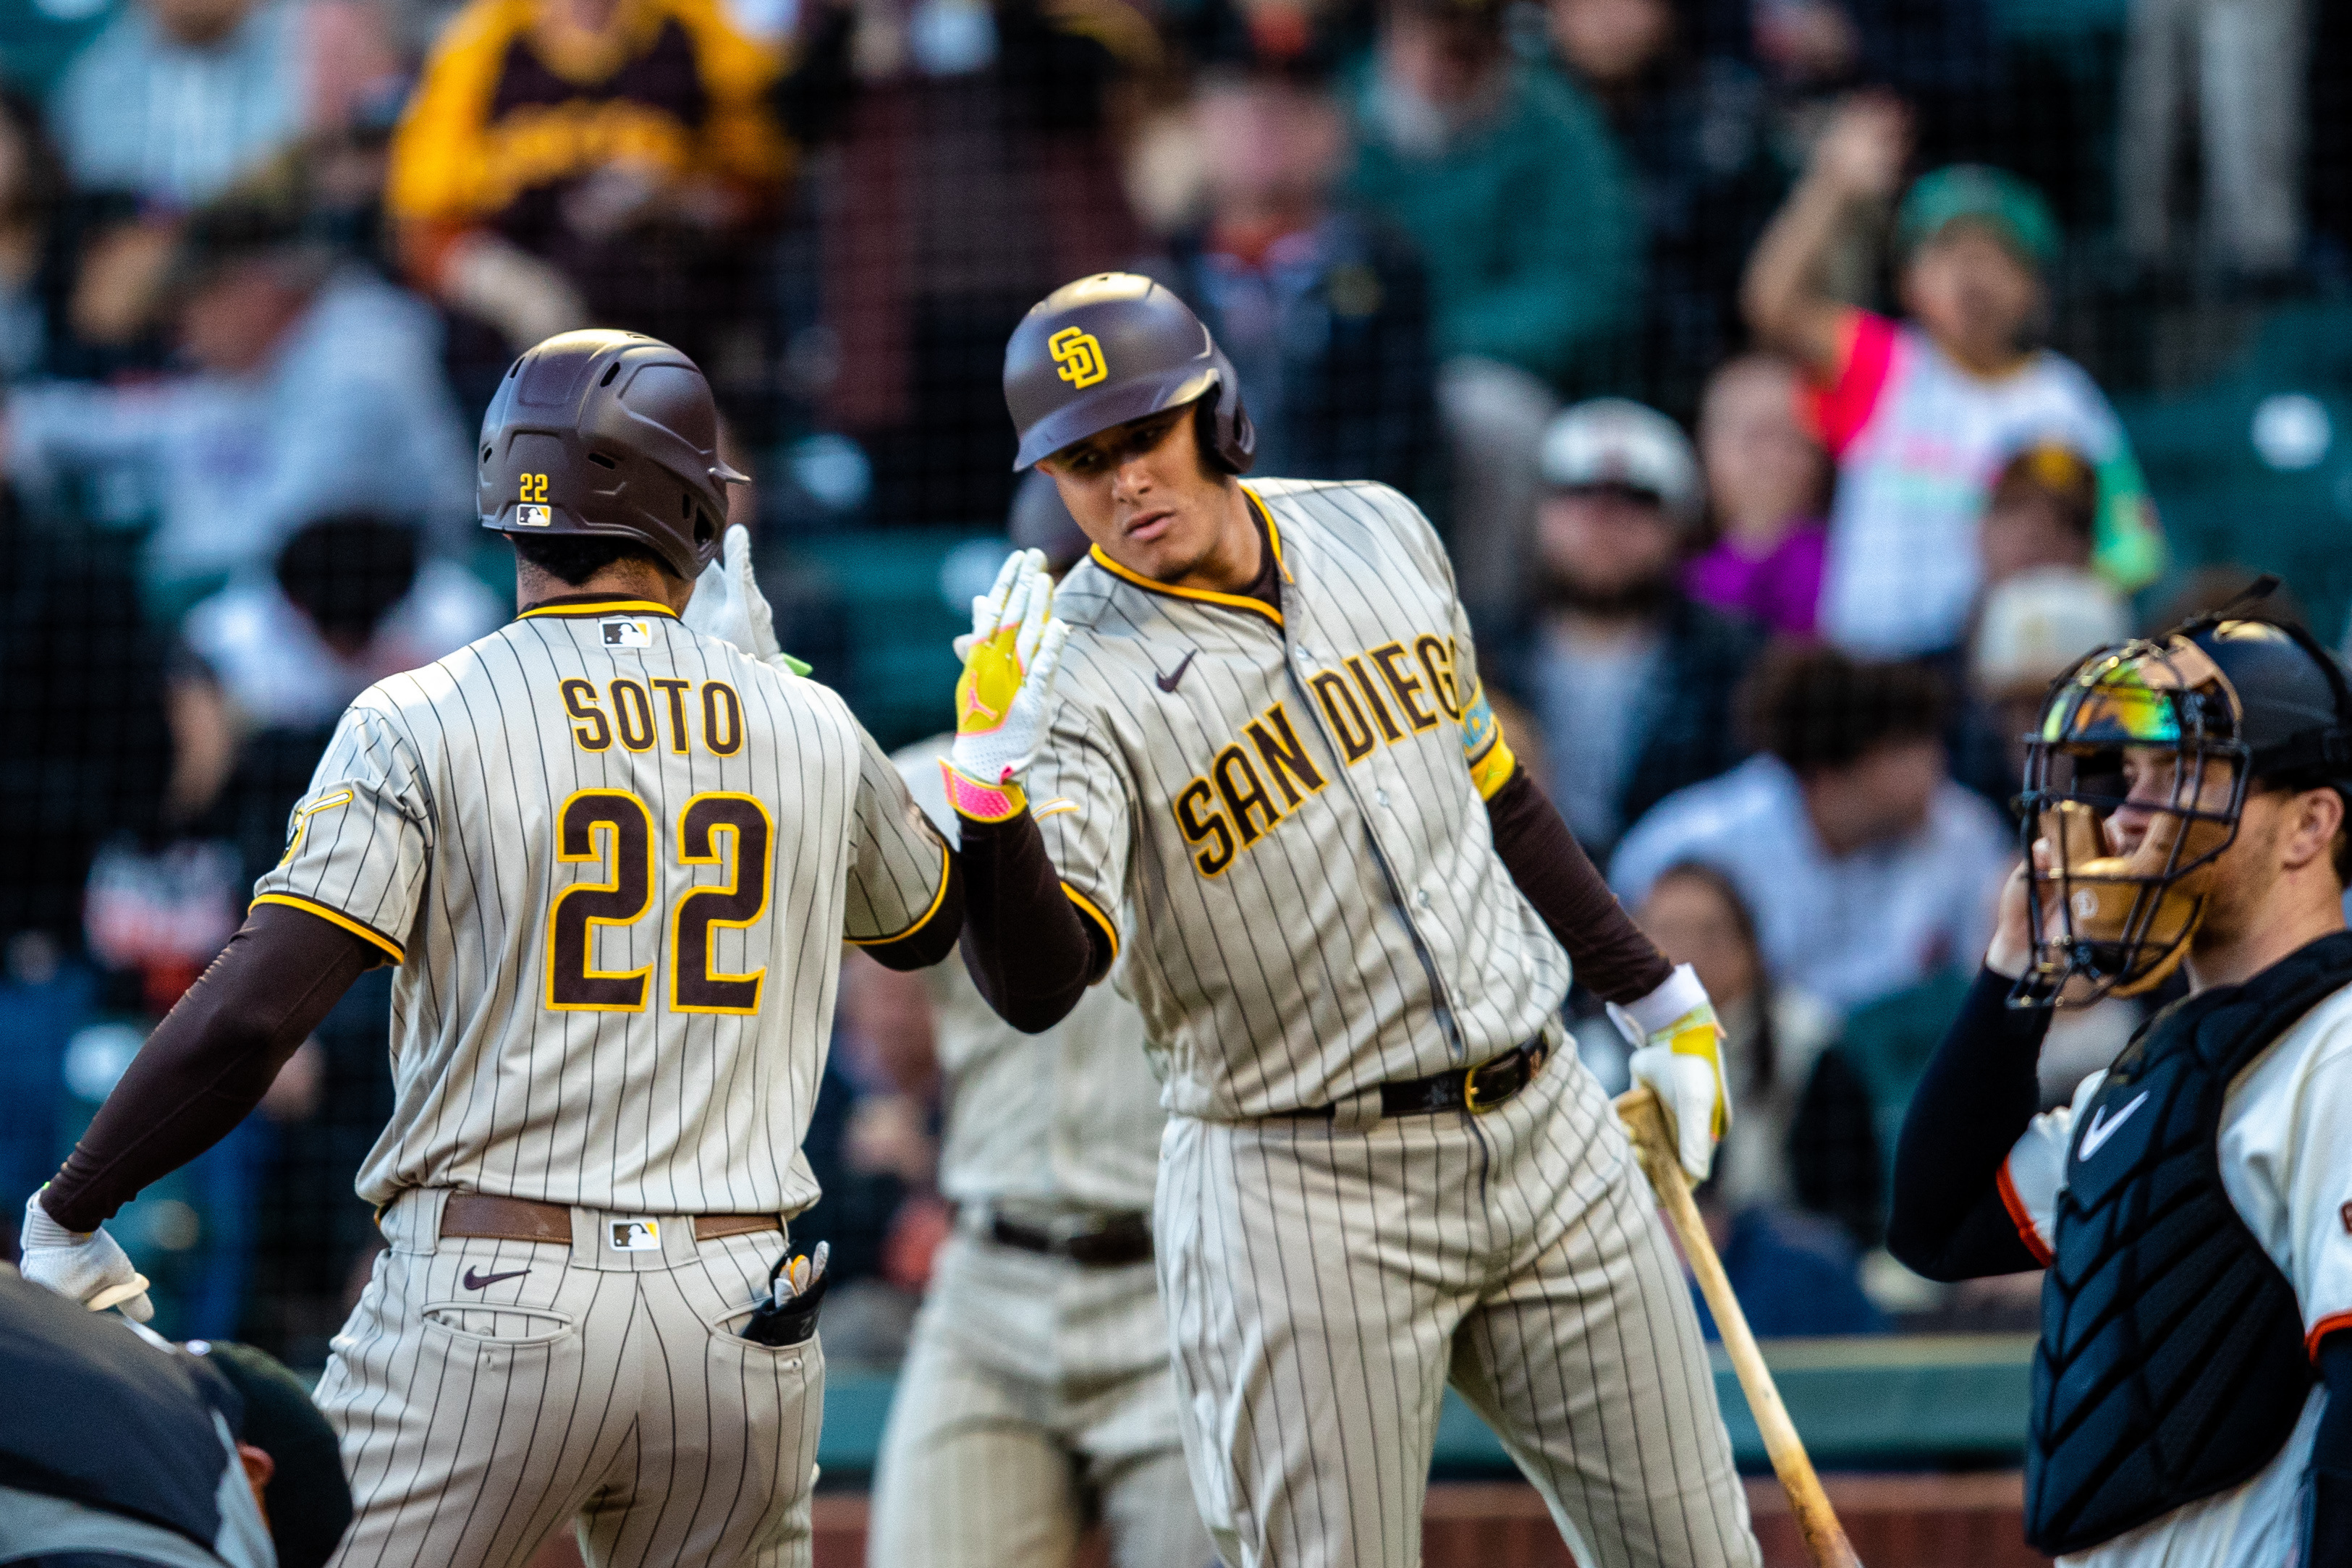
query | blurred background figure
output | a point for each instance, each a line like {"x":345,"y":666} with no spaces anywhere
{"x":312,"y":386}
{"x":1629,"y":678}
{"x":979,"y":170}
{"x":1866,"y":866}
{"x":1797,"y":1194}
{"x":1802,"y":1136}
{"x":1697,"y":134}
{"x":352,"y":597}
{"x":2235,"y":73}
{"x":570,"y":162}
{"x":1323,"y":310}
{"x":1920,"y":412}
{"x":1767,"y":483}
{"x":177,"y":99}
{"x":1508,"y":180}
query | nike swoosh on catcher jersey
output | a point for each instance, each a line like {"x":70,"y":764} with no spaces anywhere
{"x":1168,"y":683}
{"x":2101,"y":1129}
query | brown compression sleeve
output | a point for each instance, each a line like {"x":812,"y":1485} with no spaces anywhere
{"x":210,"y":1060}
{"x":1613,"y":958}
{"x":1030,"y":951}
{"x":934,"y":937}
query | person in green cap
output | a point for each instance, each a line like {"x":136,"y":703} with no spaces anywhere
{"x":1922,"y":414}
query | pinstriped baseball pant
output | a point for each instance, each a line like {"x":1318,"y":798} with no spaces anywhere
{"x":1036,"y":1392}
{"x":488,"y":1393}
{"x":1323,"y":1283}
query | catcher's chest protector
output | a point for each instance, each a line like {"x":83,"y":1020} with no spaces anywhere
{"x":2171,"y":1365}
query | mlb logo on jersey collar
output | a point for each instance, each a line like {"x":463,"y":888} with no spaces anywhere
{"x":628,"y":633}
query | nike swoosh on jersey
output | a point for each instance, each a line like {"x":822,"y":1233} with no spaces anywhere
{"x":2095,"y":1135}
{"x":1168,"y":681}
{"x":475,"y":1282}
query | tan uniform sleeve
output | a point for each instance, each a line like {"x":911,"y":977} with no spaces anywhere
{"x":1082,"y":801}
{"x":361,"y":838}
{"x":898,"y":868}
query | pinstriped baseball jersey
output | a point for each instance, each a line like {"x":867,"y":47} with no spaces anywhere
{"x":615,"y":861}
{"x":1069,"y":1116}
{"x":1277,"y":804}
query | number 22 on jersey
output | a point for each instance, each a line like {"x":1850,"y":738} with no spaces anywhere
{"x":614,"y":829}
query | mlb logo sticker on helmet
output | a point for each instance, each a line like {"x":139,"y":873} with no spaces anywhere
{"x":532,"y":516}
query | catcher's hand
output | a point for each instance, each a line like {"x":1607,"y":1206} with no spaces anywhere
{"x":727,"y":605}
{"x":1679,"y":1053}
{"x":1005,"y":691}
{"x":89,"y":1266}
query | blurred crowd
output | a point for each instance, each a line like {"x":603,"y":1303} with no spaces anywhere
{"x":1771,"y":366}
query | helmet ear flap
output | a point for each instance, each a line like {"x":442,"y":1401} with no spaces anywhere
{"x":1227,"y":436}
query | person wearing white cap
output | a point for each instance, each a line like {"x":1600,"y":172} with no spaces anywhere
{"x":1629,"y":678}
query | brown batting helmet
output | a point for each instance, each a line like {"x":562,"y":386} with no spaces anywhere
{"x":606,"y":433}
{"x":1113,"y":348}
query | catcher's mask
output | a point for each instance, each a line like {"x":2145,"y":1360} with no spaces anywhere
{"x":2169,"y":732}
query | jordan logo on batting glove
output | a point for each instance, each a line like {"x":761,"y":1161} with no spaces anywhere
{"x":1678,"y":1054}
{"x":1004,"y":695}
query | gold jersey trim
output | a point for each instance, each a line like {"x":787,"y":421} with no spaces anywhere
{"x":938,"y":896}
{"x":595,"y":608}
{"x":333,"y":916}
{"x":1204,"y":595}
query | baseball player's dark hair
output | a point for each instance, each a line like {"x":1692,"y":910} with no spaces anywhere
{"x":348,"y":571}
{"x":1817,"y":707}
{"x":573,"y":558}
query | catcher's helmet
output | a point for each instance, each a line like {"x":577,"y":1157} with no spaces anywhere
{"x":608,"y":432}
{"x":2237,"y":702}
{"x":1113,"y":348}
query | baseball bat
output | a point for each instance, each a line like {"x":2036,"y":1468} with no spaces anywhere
{"x":1653,"y":1145}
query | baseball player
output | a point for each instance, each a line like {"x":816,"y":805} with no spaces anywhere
{"x":1271,"y":789}
{"x":613,"y":859}
{"x":2192,"y":1391}
{"x":1036,"y":1393}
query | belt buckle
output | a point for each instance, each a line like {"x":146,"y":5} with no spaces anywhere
{"x":1470,"y":1101}
{"x":1531,"y":1057}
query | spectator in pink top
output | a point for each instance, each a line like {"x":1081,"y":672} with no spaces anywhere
{"x":1768,"y":482}
{"x":1921,"y":413}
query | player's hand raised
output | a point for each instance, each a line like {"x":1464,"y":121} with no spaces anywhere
{"x":1678,"y":1052}
{"x":727,"y":605}
{"x":89,"y":1266}
{"x":1009,"y":659}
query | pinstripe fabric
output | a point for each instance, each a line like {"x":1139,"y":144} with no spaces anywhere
{"x":1360,"y":934}
{"x":661,"y":1060}
{"x":1328,"y":913}
{"x":1324,"y":1283}
{"x":446,"y":849}
{"x":1066,"y":1118}
{"x":475,"y":1423}
{"x":1035,"y":1394}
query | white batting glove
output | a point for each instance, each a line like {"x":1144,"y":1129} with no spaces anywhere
{"x":1005,"y":693}
{"x":89,"y":1266}
{"x":1679,"y":1053}
{"x":727,"y":605}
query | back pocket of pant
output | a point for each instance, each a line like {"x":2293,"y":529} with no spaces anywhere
{"x":497,"y":1325}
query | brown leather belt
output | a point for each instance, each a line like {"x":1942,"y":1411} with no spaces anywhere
{"x":481,"y":1216}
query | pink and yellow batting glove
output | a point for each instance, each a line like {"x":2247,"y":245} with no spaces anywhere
{"x":1678,"y":1052}
{"x":1005,"y":695}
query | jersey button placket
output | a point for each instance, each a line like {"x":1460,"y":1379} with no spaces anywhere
{"x":1294,"y":620}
